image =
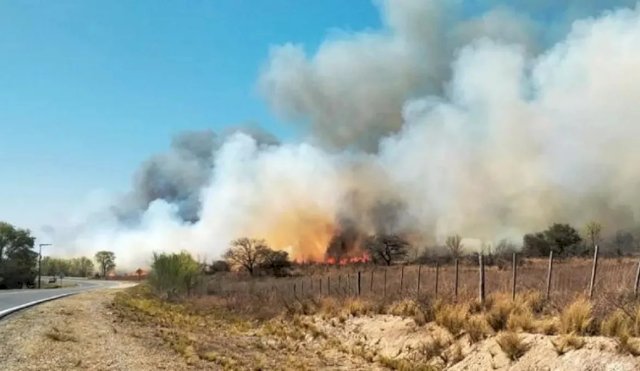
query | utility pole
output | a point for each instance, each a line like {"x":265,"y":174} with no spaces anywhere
{"x":40,"y":262}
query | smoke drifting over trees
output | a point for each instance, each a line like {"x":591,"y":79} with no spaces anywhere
{"x":475,"y":119}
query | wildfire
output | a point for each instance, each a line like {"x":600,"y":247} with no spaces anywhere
{"x":364,"y":258}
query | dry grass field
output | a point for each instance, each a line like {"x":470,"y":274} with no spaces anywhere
{"x":570,"y":278}
{"x":319,"y":320}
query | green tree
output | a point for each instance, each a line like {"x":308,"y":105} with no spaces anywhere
{"x":81,"y":267}
{"x":275,"y":262}
{"x":593,"y":230}
{"x":563,"y":239}
{"x":17,"y":258}
{"x":246,"y":253}
{"x":106,"y":260}
{"x":174,"y":274}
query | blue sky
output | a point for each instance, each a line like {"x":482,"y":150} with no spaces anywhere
{"x":89,"y":89}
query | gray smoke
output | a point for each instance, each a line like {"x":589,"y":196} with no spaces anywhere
{"x":179,"y":175}
{"x":352,"y":90}
{"x":489,"y":123}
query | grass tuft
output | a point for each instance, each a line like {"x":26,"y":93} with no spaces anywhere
{"x":512,"y":345}
{"x":477,"y":328}
{"x":616,"y":324}
{"x":568,"y":342}
{"x":452,"y":317}
{"x":577,"y":317}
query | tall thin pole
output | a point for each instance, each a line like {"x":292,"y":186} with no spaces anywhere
{"x":385,"y":283}
{"x":549,"y":272}
{"x":635,"y":287}
{"x":593,"y":272}
{"x":419,"y":273}
{"x":481,"y":279}
{"x":401,"y":278}
{"x":437,"y":278}
{"x":371,"y":282}
{"x":455,"y":284}
{"x":359,"y":292}
{"x":514,"y":268}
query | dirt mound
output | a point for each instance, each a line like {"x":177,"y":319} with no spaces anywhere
{"x":395,"y":338}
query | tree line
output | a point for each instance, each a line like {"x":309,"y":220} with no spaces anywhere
{"x":19,"y":260}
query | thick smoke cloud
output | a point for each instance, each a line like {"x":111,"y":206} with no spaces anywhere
{"x":178,"y":176}
{"x":489,"y":125}
{"x":351,"y":92}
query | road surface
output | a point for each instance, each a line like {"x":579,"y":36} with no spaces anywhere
{"x":13,"y":298}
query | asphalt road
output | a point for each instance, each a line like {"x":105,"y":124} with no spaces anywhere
{"x":13,"y":298}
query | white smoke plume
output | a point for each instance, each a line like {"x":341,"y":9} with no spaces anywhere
{"x":490,"y":125}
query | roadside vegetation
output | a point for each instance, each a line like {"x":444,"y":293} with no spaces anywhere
{"x":310,"y":316}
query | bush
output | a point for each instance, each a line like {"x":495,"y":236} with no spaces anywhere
{"x":616,"y":324}
{"x":567,"y":342}
{"x":173,"y":275}
{"x":219,"y":266}
{"x":452,"y":317}
{"x":576,"y":318}
{"x":512,"y":345}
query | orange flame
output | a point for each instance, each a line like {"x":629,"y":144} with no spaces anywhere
{"x":364,"y":258}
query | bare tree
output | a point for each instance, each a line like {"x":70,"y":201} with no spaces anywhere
{"x":247,"y":253}
{"x":387,"y":248}
{"x":593,"y":230}
{"x":454,"y":244}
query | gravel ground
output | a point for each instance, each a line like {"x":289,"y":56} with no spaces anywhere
{"x":78,"y":332}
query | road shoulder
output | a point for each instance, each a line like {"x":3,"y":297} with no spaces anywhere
{"x":78,"y":332}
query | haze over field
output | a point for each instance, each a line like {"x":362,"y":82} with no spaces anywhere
{"x":489,"y":124}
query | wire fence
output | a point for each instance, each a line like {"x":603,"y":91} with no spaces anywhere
{"x":560,"y":280}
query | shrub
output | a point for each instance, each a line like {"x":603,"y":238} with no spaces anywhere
{"x":498,"y":315}
{"x":616,"y":324}
{"x":477,"y":328}
{"x":576,"y":318}
{"x":512,"y":345}
{"x":534,"y":300}
{"x":521,"y":320}
{"x":625,"y":345}
{"x":434,"y":348}
{"x":567,"y":342}
{"x":357,"y":307}
{"x":548,"y":326}
{"x":452,"y":317}
{"x":173,"y":275}
{"x":404,"y":308}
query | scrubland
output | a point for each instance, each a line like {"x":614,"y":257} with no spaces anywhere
{"x":326,"y":322}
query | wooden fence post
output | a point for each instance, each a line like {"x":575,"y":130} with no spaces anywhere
{"x":401,"y":278}
{"x":593,"y":272}
{"x":481,"y":279}
{"x":371,"y":282}
{"x":329,"y":284}
{"x":339,"y":284}
{"x":302,"y":288}
{"x":549,"y":272}
{"x":295,"y":295}
{"x":359,"y":291}
{"x":418,"y":290}
{"x":437,"y":278}
{"x":635,"y":287}
{"x":320,"y":285}
{"x":514,"y":267}
{"x":455,"y":283}
{"x":385,"y":283}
